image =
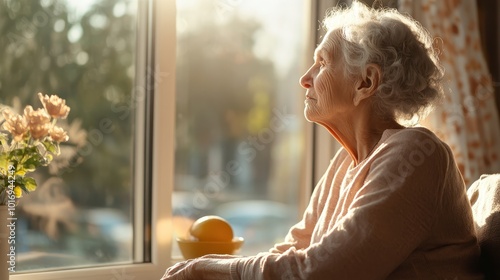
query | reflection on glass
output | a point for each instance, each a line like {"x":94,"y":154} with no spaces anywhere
{"x":83,"y":51}
{"x":239,"y":123}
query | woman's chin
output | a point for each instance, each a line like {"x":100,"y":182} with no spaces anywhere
{"x":310,"y":114}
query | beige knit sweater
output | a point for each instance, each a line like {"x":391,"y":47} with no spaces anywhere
{"x":402,"y":213}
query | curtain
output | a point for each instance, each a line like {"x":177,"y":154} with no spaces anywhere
{"x":467,"y":120}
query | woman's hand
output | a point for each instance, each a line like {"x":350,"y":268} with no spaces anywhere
{"x":216,"y":267}
{"x":181,"y":271}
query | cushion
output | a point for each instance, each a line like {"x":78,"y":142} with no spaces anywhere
{"x":484,"y":195}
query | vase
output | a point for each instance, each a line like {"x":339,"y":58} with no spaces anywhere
{"x":4,"y":242}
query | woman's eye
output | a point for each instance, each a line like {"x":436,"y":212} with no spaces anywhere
{"x":322,"y":63}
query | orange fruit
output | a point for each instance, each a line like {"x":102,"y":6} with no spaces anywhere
{"x":211,"y":228}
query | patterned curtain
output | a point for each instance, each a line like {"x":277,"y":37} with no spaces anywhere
{"x":468,"y":118}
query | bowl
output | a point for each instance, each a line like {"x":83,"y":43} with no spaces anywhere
{"x":191,"y":249}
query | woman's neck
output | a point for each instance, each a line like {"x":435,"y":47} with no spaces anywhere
{"x":359,"y":132}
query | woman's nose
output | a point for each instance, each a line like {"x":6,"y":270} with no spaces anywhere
{"x":306,"y":80}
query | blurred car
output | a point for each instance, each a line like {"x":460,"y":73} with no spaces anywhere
{"x":106,"y":235}
{"x":102,"y":235}
{"x":261,"y":222}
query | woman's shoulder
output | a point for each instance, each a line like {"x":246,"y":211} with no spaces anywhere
{"x":414,"y":137}
{"x":413,"y":154}
{"x":414,"y":143}
{"x":409,"y":133}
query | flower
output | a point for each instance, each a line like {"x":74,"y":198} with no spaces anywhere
{"x":18,"y":191}
{"x":38,"y":122}
{"x":15,"y":124}
{"x":55,"y":106}
{"x":39,"y":131}
{"x":58,"y":134}
{"x":32,"y":141}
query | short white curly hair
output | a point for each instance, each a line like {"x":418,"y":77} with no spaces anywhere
{"x":411,"y":75}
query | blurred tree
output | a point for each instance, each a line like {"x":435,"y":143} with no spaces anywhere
{"x":88,"y":58}
{"x":221,"y":84}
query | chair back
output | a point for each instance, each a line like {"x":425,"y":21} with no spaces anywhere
{"x":484,"y":195}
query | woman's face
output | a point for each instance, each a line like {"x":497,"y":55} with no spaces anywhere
{"x":329,"y":94}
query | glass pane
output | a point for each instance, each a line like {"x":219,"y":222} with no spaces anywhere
{"x":239,"y":133}
{"x":83,"y":51}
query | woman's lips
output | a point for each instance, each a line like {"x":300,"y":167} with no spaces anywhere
{"x":309,"y":100}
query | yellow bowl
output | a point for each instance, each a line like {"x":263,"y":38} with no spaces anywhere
{"x":191,"y":249}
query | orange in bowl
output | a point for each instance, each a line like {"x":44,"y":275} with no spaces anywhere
{"x":211,"y":228}
{"x":209,"y":235}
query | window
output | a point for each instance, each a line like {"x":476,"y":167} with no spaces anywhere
{"x":240,"y":131}
{"x":84,"y":52}
{"x":91,"y":214}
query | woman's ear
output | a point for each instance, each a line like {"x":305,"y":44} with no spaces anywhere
{"x":368,"y":86}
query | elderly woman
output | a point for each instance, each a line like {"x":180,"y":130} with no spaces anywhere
{"x":392,"y":204}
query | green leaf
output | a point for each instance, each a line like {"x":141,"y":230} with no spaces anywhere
{"x":17,"y":152}
{"x":31,"y":150}
{"x":23,"y":187}
{"x":4,"y":141}
{"x":33,"y":162}
{"x":29,"y":184}
{"x":4,"y":161}
{"x":20,"y":171}
{"x":50,"y":146}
